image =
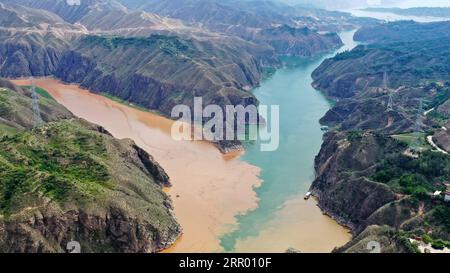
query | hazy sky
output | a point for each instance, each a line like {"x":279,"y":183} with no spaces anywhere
{"x":424,"y":3}
{"x":360,"y":3}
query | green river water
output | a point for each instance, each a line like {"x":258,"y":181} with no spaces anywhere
{"x":289,"y":170}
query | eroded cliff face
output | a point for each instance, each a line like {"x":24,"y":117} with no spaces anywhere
{"x":147,"y":60}
{"x":50,"y":229}
{"x":383,"y":190}
{"x":375,"y":104}
{"x":159,"y":72}
{"x":30,"y":55}
{"x":291,"y":41}
{"x":341,"y":183}
{"x":70,"y":180}
{"x":118,"y":206}
{"x":153,"y":70}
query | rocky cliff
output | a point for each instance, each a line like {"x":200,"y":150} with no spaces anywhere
{"x":32,"y":41}
{"x":375,"y":172}
{"x":70,"y":180}
{"x":342,"y":169}
{"x":366,"y":180}
{"x":170,"y":65}
{"x":160,"y":72}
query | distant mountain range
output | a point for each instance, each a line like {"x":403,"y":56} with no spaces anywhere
{"x":158,"y":54}
{"x":422,"y":11}
{"x":39,"y":43}
{"x":261,"y":24}
{"x":403,"y":31}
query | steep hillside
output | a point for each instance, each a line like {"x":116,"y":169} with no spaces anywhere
{"x":70,"y":180}
{"x":403,"y":31}
{"x":252,"y":21}
{"x":70,"y":12}
{"x":156,"y":71}
{"x":105,"y":16}
{"x":379,"y":154}
{"x":213,"y":14}
{"x":25,"y":53}
{"x":405,"y":64}
{"x":32,"y":41}
{"x":390,"y":241}
{"x":298,"y":41}
{"x":390,"y":186}
{"x":159,"y":72}
{"x":20,"y":16}
{"x":16,"y":111}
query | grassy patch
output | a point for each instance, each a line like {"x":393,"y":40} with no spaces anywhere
{"x":5,"y":108}
{"x":410,"y":139}
{"x":62,"y":160}
{"x":435,"y":243}
{"x":6,"y":129}
{"x":42,"y":92}
{"x":169,"y":44}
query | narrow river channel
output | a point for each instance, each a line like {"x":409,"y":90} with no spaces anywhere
{"x":250,"y":202}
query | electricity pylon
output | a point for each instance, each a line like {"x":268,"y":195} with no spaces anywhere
{"x":35,"y":104}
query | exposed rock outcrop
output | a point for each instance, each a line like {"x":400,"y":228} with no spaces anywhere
{"x":70,"y":180}
{"x":373,"y":169}
{"x":341,"y":167}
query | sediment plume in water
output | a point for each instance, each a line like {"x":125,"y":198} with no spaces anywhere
{"x":209,"y":188}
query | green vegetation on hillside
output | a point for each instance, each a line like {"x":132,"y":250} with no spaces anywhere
{"x":410,"y":64}
{"x":68,"y":179}
{"x":412,"y":139}
{"x":5,"y":108}
{"x":42,"y":92}
{"x":357,"y":52}
{"x":387,"y":86}
{"x":61,"y":160}
{"x":414,"y":176}
{"x":403,"y":31}
{"x":169,"y":44}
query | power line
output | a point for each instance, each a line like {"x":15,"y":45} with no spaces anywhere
{"x":35,"y":104}
{"x":390,"y":105}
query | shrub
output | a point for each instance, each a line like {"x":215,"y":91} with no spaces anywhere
{"x":427,"y":239}
{"x":438,"y":244}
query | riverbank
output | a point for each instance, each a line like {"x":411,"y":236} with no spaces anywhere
{"x":239,"y":202}
{"x":208,"y":188}
{"x":283,"y":218}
